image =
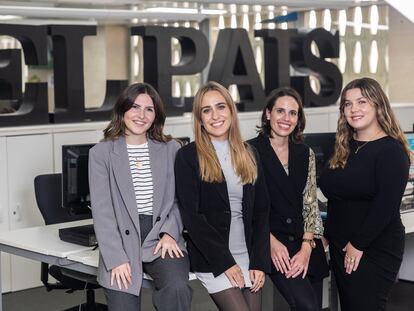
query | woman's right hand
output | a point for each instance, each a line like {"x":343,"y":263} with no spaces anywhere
{"x":280,"y":255}
{"x":122,"y":275}
{"x":235,"y":276}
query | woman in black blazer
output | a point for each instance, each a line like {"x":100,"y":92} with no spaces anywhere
{"x":295,"y":224}
{"x":224,"y":204}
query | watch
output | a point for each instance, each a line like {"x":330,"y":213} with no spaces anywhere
{"x":310,"y":241}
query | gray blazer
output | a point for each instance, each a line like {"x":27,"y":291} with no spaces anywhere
{"x":114,"y":208}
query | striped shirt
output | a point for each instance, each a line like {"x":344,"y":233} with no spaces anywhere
{"x":139,"y":163}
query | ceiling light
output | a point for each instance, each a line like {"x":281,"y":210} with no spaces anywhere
{"x":172,"y":10}
{"x":185,"y":11}
{"x":99,"y":14}
{"x":213,"y":11}
{"x":8,"y":17}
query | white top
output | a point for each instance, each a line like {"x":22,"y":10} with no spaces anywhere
{"x":139,"y":162}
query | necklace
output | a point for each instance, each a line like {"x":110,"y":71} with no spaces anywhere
{"x":359,"y":147}
{"x":138,"y":163}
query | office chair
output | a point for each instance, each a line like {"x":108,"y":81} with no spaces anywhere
{"x":48,"y":192}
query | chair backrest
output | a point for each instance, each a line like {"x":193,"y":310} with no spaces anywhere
{"x":48,"y":192}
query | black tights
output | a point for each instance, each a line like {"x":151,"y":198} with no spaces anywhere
{"x":235,"y":299}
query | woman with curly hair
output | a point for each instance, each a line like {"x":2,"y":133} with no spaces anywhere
{"x":364,"y":184}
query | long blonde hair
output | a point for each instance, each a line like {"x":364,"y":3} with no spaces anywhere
{"x":371,"y":90}
{"x":242,"y":156}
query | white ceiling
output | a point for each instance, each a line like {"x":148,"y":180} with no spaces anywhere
{"x":125,"y":10}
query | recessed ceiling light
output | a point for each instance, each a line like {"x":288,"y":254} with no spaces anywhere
{"x":8,"y":17}
{"x":172,"y":10}
{"x":185,"y":11}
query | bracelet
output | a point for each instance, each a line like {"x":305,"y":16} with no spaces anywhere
{"x":311,"y":242}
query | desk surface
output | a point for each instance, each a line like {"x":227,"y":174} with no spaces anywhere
{"x":44,"y":239}
{"x":408,"y":221}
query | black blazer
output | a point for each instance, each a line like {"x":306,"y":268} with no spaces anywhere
{"x":286,"y":200}
{"x":205,"y":210}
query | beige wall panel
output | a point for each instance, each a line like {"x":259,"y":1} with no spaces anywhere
{"x":117,"y":49}
{"x":94,"y":68}
{"x":401,"y":58}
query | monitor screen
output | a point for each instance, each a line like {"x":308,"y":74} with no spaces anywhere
{"x":410,"y":139}
{"x":322,"y":145}
{"x":75,"y":181}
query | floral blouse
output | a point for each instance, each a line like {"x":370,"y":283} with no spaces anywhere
{"x":312,"y":220}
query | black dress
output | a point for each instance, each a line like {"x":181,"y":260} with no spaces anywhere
{"x":363,"y":208}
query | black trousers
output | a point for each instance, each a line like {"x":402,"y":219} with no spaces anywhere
{"x":171,"y":289}
{"x":300,"y":294}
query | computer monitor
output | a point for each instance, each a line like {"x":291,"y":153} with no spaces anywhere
{"x":322,"y":145}
{"x":75,"y":179}
{"x":410,"y":139}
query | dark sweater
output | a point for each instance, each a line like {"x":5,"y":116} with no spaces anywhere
{"x":364,"y":199}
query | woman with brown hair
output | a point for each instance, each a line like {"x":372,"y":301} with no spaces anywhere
{"x":299,"y":262}
{"x":224,"y":204}
{"x":136,"y":218}
{"x":364,"y":184}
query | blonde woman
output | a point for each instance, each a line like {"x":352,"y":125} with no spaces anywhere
{"x":224,"y":204}
{"x":364,"y":184}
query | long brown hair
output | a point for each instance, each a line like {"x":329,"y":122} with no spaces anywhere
{"x":126,"y":99}
{"x":371,"y":90}
{"x":242,"y":156}
{"x":265,"y":129}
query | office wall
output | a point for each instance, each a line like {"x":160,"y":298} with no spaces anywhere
{"x":401,"y":58}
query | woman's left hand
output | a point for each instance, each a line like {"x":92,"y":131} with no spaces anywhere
{"x":300,"y":262}
{"x":258,"y":278}
{"x":168,"y":244}
{"x":352,"y":258}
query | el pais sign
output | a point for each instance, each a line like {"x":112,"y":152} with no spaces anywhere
{"x":232,"y":62}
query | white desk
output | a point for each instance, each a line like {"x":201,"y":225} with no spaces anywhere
{"x":44,"y":245}
{"x":407,"y":219}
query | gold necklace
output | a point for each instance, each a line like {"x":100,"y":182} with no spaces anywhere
{"x":359,"y":147}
